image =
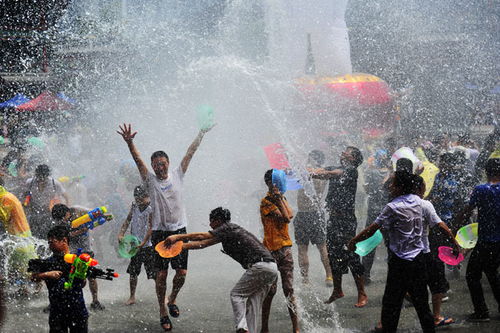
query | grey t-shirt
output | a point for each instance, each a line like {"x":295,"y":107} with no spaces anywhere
{"x":241,"y":245}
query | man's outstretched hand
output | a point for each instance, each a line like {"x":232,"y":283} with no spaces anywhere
{"x":126,"y":133}
{"x":170,"y":240}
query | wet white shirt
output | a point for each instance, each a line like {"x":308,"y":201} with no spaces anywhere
{"x":139,"y":222}
{"x":167,"y":200}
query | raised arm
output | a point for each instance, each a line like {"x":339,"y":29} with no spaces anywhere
{"x":128,"y":137}
{"x":192,"y":149}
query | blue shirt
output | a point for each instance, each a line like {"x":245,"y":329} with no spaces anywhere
{"x":405,"y":220}
{"x":486,"y":198}
{"x":449,"y":193}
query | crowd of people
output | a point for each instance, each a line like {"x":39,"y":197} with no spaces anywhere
{"x":418,"y":200}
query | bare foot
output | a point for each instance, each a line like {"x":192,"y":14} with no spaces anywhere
{"x":130,"y":301}
{"x":362,"y":301}
{"x":335,"y":296}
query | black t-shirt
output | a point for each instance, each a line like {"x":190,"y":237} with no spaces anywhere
{"x":241,"y":245}
{"x":65,"y":303}
{"x":341,"y":195}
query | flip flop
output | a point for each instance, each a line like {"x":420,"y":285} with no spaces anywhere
{"x":445,"y":322}
{"x":173,"y":310}
{"x":166,"y":321}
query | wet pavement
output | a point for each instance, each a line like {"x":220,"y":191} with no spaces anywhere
{"x":205,"y":307}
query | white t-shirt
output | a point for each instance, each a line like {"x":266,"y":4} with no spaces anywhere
{"x":166,"y":200}
{"x":139,"y":222}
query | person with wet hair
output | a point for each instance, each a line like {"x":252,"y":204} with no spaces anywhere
{"x":485,"y":257}
{"x":165,"y":189}
{"x":342,"y":223}
{"x":276,"y":215}
{"x":140,"y":220}
{"x":44,"y":192}
{"x":62,"y":215}
{"x":404,"y":220}
{"x":67,"y":310}
{"x":309,"y":222}
{"x":261,"y":271}
{"x":436,"y":278}
{"x":404,"y":164}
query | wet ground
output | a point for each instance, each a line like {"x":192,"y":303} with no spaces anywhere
{"x":205,"y":307}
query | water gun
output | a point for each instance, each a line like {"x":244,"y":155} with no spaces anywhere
{"x":43,"y":265}
{"x":92,"y":219}
{"x":82,"y":266}
{"x":66,"y":179}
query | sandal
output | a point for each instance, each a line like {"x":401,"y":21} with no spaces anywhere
{"x":173,"y":310}
{"x":445,"y":322}
{"x":166,"y":321}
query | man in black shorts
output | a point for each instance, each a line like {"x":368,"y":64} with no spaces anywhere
{"x":165,"y":189}
{"x":342,"y":224}
{"x":309,"y":223}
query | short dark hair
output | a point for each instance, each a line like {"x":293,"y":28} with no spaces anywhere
{"x":42,"y":170}
{"x":268,"y":177}
{"x":59,"y":232}
{"x":158,"y":154}
{"x":405,"y":165}
{"x":356,"y":153}
{"x":220,"y":214}
{"x":404,"y":181}
{"x":140,"y":192}
{"x":492,"y":167}
{"x":418,"y":184}
{"x":59,"y":211}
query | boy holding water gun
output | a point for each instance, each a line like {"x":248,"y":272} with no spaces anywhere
{"x":80,"y":239}
{"x":67,"y":306}
{"x":140,"y":221}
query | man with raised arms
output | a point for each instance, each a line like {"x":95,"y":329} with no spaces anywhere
{"x":169,"y":217}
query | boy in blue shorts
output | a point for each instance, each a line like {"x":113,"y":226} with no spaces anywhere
{"x":140,"y":221}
